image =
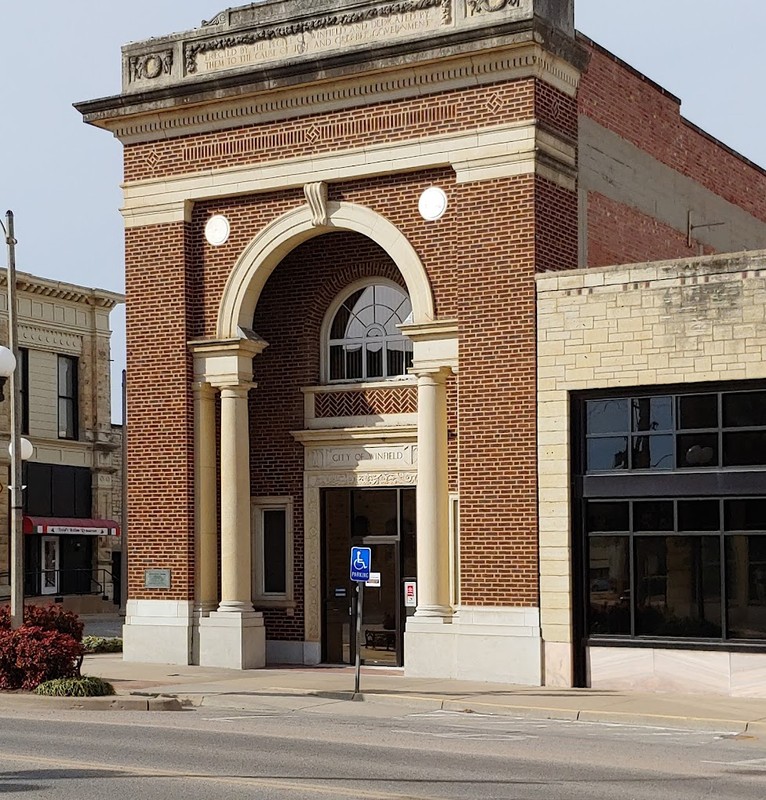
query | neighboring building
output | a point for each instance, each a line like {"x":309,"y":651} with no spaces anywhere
{"x":313,"y":364}
{"x":72,"y":495}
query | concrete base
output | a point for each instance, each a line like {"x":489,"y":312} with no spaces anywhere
{"x":158,"y":631}
{"x":233,"y":640}
{"x":306,"y":653}
{"x":499,"y":645}
{"x":682,"y":671}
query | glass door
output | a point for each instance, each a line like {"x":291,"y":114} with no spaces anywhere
{"x":384,"y":521}
{"x":49,"y":576}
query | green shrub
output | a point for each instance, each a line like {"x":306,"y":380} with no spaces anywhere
{"x":75,"y":687}
{"x":102,"y":644}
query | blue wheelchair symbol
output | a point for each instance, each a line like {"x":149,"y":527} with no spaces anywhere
{"x":360,"y":563}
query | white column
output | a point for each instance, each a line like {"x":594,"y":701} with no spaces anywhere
{"x":432,"y":496}
{"x":205,"y":496}
{"x":236,"y":558}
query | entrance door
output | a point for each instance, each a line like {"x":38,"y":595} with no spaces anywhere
{"x":49,"y":561}
{"x":384,"y":521}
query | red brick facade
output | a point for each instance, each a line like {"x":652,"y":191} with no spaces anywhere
{"x":481,"y":267}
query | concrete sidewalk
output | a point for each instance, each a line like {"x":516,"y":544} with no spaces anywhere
{"x":307,"y":688}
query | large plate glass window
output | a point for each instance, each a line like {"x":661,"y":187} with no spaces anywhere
{"x":672,"y":499}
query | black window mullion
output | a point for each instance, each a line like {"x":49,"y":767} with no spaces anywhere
{"x":632,"y":573}
{"x":724,"y":588}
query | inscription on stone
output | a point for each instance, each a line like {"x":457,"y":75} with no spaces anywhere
{"x":369,"y":457}
{"x":340,"y":31}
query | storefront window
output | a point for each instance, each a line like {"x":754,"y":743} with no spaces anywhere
{"x":673,"y":510}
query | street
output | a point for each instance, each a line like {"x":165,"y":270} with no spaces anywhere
{"x":365,"y":752}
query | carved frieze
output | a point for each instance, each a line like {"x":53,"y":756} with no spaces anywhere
{"x":150,"y":65}
{"x":479,"y":6}
{"x":332,"y":31}
{"x":47,"y":339}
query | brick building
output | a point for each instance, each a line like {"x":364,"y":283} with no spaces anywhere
{"x":72,"y":498}
{"x":335,"y":215}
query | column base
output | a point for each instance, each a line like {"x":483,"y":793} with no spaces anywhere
{"x":232,"y":640}
{"x":501,"y":645}
{"x":158,"y":632}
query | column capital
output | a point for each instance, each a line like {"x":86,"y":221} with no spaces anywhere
{"x":224,"y":362}
{"x":204,"y":389}
{"x":235,"y":389}
{"x":431,"y":374}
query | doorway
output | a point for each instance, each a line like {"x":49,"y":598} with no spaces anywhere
{"x":384,"y":521}
{"x":50,"y":563}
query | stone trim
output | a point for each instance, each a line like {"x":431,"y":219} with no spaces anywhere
{"x":268,"y":248}
{"x":513,"y":63}
{"x":519,"y":148}
{"x":313,"y":483}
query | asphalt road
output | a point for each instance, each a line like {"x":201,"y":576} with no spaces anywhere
{"x":365,"y":752}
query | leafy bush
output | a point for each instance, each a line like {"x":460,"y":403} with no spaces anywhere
{"x":49,"y":618}
{"x":102,"y":644}
{"x":30,"y":655}
{"x":75,"y":687}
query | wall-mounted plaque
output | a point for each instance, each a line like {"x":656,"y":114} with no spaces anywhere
{"x":156,"y":578}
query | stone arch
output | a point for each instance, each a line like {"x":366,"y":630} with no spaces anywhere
{"x":261,"y":257}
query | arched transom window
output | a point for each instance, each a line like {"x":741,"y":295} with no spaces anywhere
{"x":364,"y":342}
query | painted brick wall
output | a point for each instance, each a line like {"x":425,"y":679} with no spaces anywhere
{"x":618,"y":234}
{"x":627,"y":103}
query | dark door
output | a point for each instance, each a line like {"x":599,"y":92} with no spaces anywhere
{"x":384,"y":521}
{"x":77,"y":565}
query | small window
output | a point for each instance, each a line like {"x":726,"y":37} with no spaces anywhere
{"x":364,"y":342}
{"x":67,"y":396}
{"x":272,"y":551}
{"x":24,"y":388}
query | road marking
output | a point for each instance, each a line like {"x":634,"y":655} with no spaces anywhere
{"x":750,"y":762}
{"x":296,"y":784}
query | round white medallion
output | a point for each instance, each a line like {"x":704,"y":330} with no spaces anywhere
{"x":217,"y":230}
{"x":432,"y":203}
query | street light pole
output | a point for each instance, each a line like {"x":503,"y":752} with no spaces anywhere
{"x":17,"y":541}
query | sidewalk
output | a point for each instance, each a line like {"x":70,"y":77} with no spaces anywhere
{"x":306,"y":688}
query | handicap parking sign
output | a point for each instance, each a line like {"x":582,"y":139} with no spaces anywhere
{"x":360,"y":563}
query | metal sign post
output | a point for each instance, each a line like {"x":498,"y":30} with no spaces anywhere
{"x":360,"y":573}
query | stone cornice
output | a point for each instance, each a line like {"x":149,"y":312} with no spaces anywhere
{"x":55,"y":290}
{"x":135,"y":122}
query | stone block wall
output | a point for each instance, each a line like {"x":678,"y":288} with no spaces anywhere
{"x":687,"y":321}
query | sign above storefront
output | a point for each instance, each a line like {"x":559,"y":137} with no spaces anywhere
{"x":73,"y":526}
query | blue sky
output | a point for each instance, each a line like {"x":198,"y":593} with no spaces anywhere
{"x":61,"y":178}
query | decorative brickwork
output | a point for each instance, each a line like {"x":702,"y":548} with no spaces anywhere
{"x":360,"y":127}
{"x":367,"y":402}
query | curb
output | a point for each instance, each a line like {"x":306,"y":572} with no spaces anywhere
{"x":109,"y":703}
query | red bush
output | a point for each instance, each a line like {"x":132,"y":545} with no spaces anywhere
{"x":30,"y":655}
{"x":49,"y":618}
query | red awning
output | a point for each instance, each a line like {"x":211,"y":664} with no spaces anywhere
{"x":71,"y":525}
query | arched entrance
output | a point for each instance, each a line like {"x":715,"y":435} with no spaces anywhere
{"x":338,"y":451}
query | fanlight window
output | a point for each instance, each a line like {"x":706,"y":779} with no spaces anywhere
{"x":365,"y":343}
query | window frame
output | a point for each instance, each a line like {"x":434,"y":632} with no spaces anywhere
{"x":261,"y":598}
{"x":71,"y":401}
{"x":24,"y":388}
{"x":681,"y":483}
{"x":326,"y":330}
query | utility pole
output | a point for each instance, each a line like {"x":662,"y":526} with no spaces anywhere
{"x":17,"y":541}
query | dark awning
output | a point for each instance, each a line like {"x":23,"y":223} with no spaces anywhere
{"x":71,"y":525}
